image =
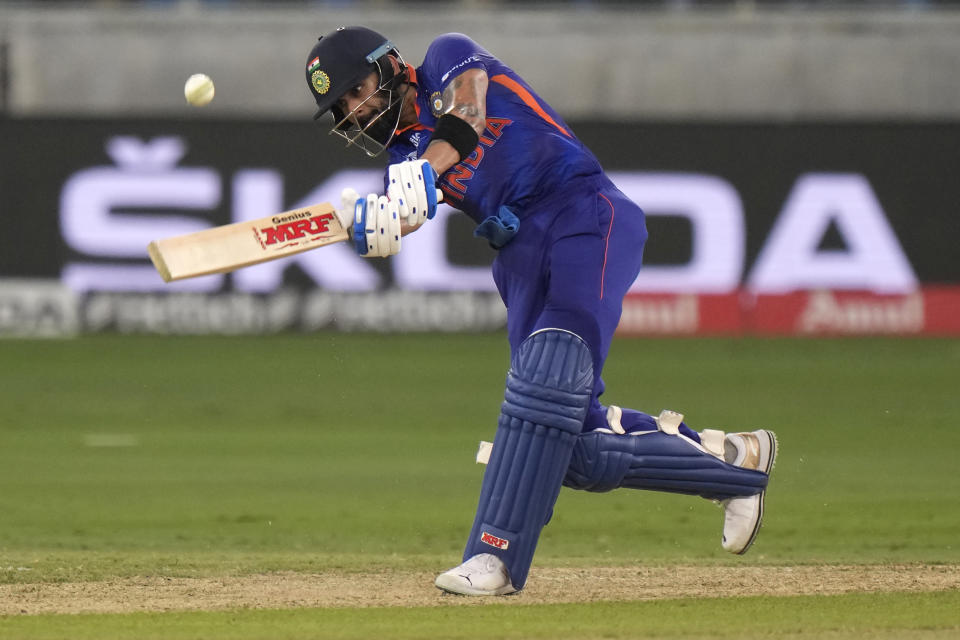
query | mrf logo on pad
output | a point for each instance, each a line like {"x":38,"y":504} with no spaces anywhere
{"x":494,"y":541}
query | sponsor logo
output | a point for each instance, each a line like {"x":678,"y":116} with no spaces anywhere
{"x":415,"y":139}
{"x":666,"y":314}
{"x":415,"y":142}
{"x":494,"y":541}
{"x":459,"y":65}
{"x":288,"y":231}
{"x":35,"y":308}
{"x":826,"y":312}
{"x":103,"y":237}
{"x":300,"y":215}
{"x":320,"y":81}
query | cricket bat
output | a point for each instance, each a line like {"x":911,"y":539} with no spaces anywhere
{"x":232,"y":246}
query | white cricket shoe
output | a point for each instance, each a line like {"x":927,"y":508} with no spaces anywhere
{"x":742,"y":516}
{"x":482,"y":575}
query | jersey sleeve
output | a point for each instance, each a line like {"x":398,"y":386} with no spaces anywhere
{"x":451,"y":54}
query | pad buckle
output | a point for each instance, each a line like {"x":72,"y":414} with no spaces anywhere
{"x":713,"y":441}
{"x":483,"y":453}
{"x":669,"y":422}
{"x":614,"y":415}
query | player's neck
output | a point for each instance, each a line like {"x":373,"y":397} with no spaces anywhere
{"x":408,"y":111}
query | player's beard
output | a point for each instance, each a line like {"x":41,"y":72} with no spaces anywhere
{"x":374,"y":134}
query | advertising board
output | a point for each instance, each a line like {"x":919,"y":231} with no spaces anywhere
{"x":829,"y":228}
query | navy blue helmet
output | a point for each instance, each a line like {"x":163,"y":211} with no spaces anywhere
{"x":342,"y":59}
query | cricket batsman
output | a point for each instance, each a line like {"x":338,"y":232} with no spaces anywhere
{"x":569,"y":246}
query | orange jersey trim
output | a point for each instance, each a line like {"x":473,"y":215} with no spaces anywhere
{"x":528,"y":99}
{"x":417,"y":126}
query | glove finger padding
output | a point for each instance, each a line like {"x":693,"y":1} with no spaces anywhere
{"x":413,"y":185}
{"x":388,"y":223}
{"x":408,"y":180}
{"x":376,"y":227}
{"x":396,"y":193}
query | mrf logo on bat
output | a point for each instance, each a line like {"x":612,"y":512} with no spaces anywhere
{"x":288,"y":229}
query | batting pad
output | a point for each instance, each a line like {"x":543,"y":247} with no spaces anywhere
{"x":657,"y":461}
{"x":548,"y":390}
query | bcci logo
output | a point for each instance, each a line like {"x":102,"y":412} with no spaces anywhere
{"x":436,"y":104}
{"x":320,"y":81}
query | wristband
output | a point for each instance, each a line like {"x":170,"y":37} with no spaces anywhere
{"x":458,"y":133}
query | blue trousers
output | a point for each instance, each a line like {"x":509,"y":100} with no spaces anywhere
{"x":569,"y":267}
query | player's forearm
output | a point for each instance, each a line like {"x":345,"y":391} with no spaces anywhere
{"x":441,"y":155}
{"x":464,"y":98}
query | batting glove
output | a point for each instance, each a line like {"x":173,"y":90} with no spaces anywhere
{"x":412,"y":185}
{"x":376,"y":226}
{"x":348,"y":200}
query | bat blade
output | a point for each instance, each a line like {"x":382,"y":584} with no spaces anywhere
{"x":241,"y":244}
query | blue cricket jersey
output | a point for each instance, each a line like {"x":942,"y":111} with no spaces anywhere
{"x":527,"y":152}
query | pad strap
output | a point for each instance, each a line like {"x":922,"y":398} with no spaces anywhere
{"x":713,"y":441}
{"x":669,"y":421}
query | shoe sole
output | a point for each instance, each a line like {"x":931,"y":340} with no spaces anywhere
{"x":771,"y":460}
{"x":457,"y":588}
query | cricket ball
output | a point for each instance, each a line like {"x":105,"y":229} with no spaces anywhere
{"x":199,"y":89}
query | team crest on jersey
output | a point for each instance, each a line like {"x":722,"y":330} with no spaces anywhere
{"x":320,"y":81}
{"x":436,"y":104}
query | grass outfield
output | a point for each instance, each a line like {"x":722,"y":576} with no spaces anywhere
{"x":199,"y":458}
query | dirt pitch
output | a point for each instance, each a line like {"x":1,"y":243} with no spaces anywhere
{"x":405,"y":589}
